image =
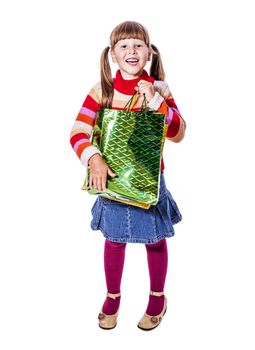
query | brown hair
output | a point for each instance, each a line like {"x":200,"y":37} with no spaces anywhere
{"x":127,"y":30}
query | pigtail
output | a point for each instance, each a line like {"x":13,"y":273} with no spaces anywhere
{"x":156,"y":68}
{"x":106,"y":79}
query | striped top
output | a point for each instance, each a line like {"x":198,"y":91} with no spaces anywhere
{"x":162,"y":102}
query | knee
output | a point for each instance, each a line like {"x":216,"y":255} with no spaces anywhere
{"x":156,"y":246}
{"x":115,"y":245}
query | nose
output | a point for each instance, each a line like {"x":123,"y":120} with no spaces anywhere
{"x":132,"y":49}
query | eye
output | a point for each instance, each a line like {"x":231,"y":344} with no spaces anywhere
{"x":139,"y":45}
{"x":123,"y":46}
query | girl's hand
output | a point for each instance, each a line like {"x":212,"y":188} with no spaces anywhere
{"x":145,"y":87}
{"x":98,"y":172}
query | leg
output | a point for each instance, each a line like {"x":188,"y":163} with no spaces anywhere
{"x":157,"y":257}
{"x":114,"y":257}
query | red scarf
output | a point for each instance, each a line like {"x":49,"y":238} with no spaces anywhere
{"x":127,"y":87}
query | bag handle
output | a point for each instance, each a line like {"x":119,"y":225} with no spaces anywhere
{"x":130,"y":104}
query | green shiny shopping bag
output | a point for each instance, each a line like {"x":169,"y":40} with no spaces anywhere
{"x":131,"y":144}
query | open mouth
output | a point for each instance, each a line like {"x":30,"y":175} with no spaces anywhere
{"x":132,"y":61}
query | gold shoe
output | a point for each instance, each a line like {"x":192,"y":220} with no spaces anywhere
{"x":149,"y":322}
{"x":108,"y":321}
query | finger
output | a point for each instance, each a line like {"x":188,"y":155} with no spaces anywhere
{"x":101,"y":183}
{"x":94,"y":182}
{"x":104,"y":179}
{"x":98,"y":185}
{"x":143,"y":82}
{"x":90,"y":180}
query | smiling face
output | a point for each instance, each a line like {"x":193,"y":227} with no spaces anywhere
{"x":131,"y":55}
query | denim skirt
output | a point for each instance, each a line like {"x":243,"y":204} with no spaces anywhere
{"x":121,"y":222}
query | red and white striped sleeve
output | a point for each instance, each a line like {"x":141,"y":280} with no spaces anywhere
{"x":163,"y":102}
{"x":83,"y":127}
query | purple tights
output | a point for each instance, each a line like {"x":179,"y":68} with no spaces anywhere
{"x":114,"y":257}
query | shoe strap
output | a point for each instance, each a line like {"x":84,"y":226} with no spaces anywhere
{"x":156,"y":294}
{"x":113,"y":296}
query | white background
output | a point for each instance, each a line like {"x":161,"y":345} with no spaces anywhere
{"x":52,"y":277}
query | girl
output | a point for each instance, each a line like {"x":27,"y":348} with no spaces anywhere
{"x":120,"y":223}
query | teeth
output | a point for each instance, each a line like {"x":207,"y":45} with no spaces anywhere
{"x":132,"y":60}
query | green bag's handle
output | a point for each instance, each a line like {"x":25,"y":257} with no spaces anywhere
{"x":144,"y":104}
{"x":129,"y":105}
